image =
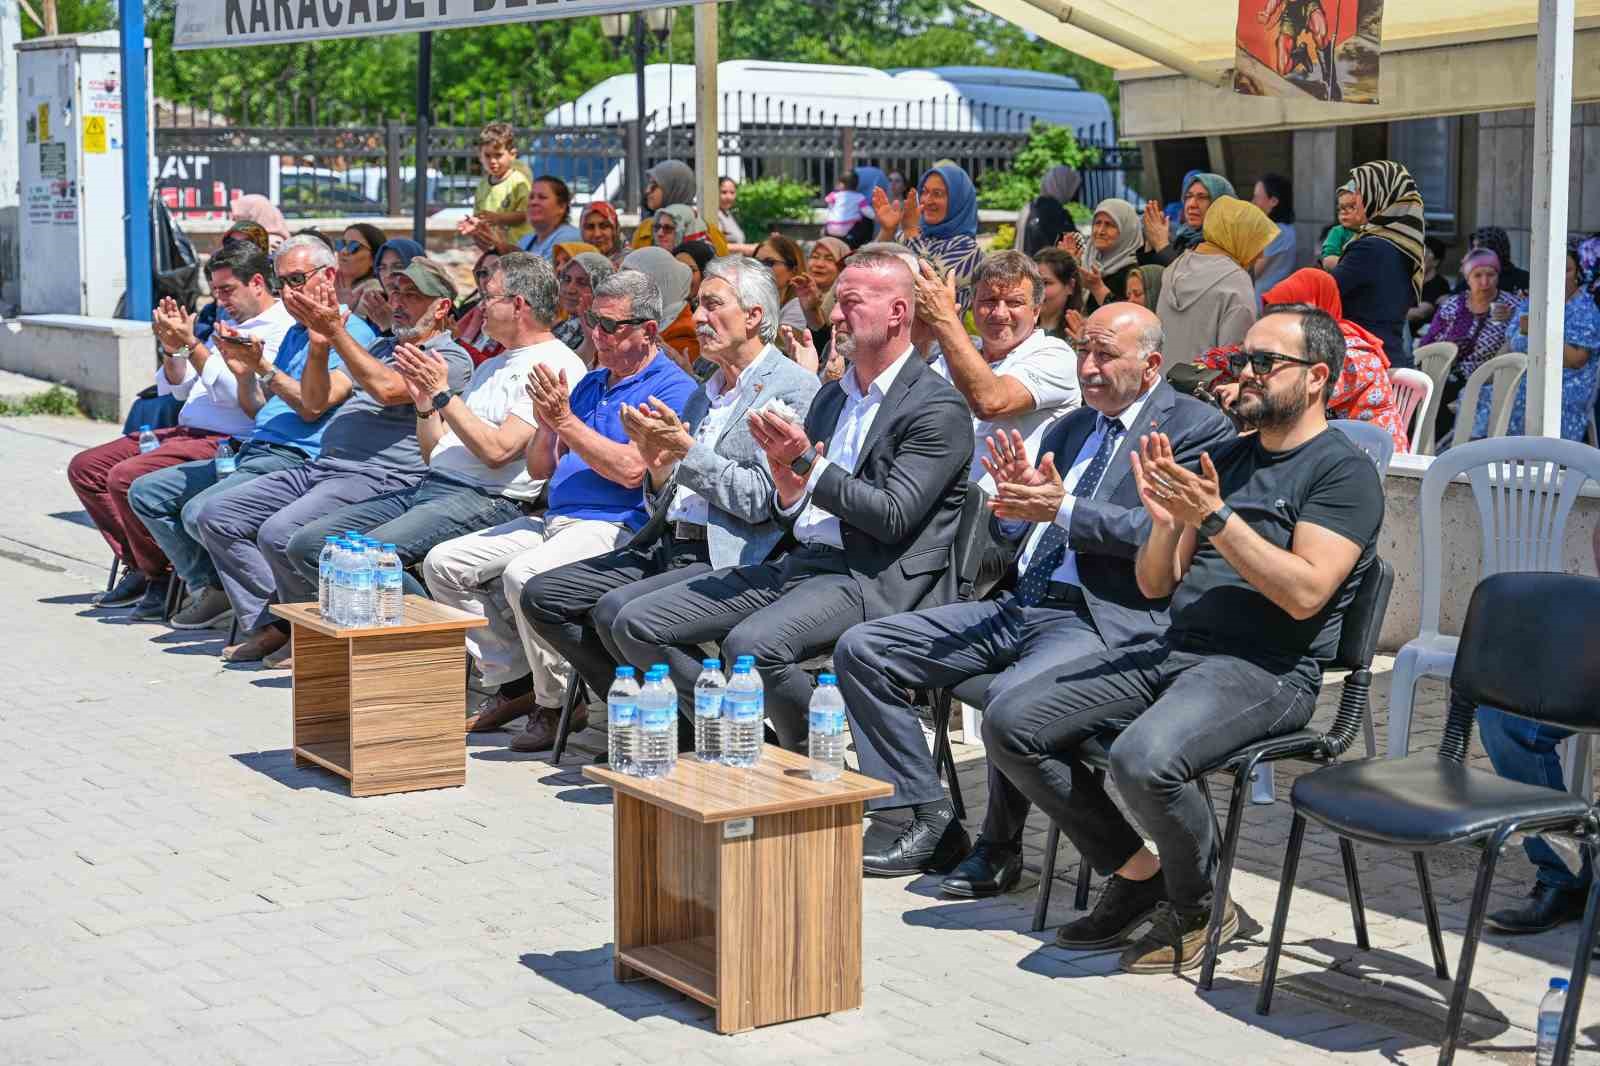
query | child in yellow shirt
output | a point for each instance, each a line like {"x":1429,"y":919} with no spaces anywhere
{"x":502,"y":195}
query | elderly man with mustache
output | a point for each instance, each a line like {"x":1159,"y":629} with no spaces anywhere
{"x":708,"y":488}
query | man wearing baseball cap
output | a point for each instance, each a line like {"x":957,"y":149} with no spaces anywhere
{"x":370,"y":455}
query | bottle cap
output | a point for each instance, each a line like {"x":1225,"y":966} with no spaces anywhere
{"x":711,"y":664}
{"x":331,"y":538}
{"x":748,"y":660}
{"x":1558,"y":983}
{"x":827,"y":679}
{"x":624,"y":671}
{"x":742,"y":667}
{"x":659,"y":668}
{"x":145,"y":428}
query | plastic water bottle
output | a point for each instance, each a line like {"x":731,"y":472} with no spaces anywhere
{"x":340,"y":598}
{"x":827,"y":729}
{"x":390,"y":587}
{"x":363,"y":585}
{"x":147,"y":440}
{"x":226,"y":463}
{"x":708,"y":720}
{"x":1550,"y":1010}
{"x":330,"y":546}
{"x":744,"y":708}
{"x":622,"y":722}
{"x":658,"y":727}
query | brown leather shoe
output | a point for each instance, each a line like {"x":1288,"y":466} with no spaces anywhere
{"x":503,"y":710}
{"x":541,"y":732}
{"x":256,"y":646}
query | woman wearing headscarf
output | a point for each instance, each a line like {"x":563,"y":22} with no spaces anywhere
{"x":394,"y":255}
{"x":675,"y":224}
{"x":603,"y":228}
{"x":1380,"y":270}
{"x":1512,"y":277}
{"x":677,"y":321}
{"x":258,"y":209}
{"x":577,"y":279}
{"x":694,"y":255}
{"x":670,"y":182}
{"x":1477,"y":322}
{"x":1580,"y":370}
{"x":1200,"y":191}
{"x":1208,"y":299}
{"x":1112,"y":254}
{"x":469,"y":331}
{"x":566,"y":251}
{"x":1144,"y":286}
{"x":939,"y":221}
{"x":1044,"y":219}
{"x":1363,"y":392}
{"x":813,"y":287}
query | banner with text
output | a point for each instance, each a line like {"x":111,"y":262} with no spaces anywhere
{"x":230,"y":23}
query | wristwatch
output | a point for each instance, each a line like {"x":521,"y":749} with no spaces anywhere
{"x":181,"y":353}
{"x":441,"y":400}
{"x":1213,"y":523}
{"x":803,"y":462}
{"x":264,"y":377}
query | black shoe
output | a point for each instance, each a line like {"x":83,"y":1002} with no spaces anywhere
{"x":1548,"y":906}
{"x":125,"y":592}
{"x":152,"y":606}
{"x":1176,"y":939}
{"x":933,"y":842}
{"x":991,"y":870}
{"x":1123,"y":906}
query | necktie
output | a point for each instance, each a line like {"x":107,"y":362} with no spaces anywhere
{"x":1052,"y":547}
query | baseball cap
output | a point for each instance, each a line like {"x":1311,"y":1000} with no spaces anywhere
{"x":430,"y":278}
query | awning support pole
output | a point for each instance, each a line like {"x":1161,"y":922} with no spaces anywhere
{"x":1552,"y":149}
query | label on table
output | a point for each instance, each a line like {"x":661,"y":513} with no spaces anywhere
{"x":619,"y":713}
{"x":708,"y":705}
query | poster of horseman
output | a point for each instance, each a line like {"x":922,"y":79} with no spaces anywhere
{"x":1326,"y":49}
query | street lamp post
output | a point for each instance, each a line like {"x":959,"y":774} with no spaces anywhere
{"x":658,"y":21}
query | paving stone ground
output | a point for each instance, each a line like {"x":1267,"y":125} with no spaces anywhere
{"x":173,"y":889}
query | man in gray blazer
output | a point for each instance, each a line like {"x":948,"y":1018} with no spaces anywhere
{"x":708,"y":489}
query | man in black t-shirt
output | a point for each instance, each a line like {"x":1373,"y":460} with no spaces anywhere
{"x":1261,"y":550}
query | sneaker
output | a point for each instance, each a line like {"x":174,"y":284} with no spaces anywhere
{"x":208,"y":610}
{"x":1176,"y":939}
{"x":125,"y":593}
{"x":1123,"y":906}
{"x":152,"y":606}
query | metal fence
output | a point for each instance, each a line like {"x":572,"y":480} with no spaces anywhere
{"x":316,"y":159}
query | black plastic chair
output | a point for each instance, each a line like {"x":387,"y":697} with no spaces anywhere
{"x":1530,"y":646}
{"x":576,"y":691}
{"x":1358,"y":643}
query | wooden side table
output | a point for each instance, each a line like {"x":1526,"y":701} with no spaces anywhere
{"x":741,"y":888}
{"x":383,"y":707}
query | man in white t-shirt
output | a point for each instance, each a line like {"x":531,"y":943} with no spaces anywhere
{"x":1023,"y":379}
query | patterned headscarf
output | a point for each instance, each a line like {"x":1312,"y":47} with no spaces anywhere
{"x":1218,"y":186}
{"x":1587,"y":252}
{"x":1394,"y":211}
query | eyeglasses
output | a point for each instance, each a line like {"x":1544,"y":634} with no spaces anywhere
{"x":491,"y":297}
{"x":352,"y":247}
{"x":298,"y":278}
{"x":577,"y":279}
{"x":1261,"y":363}
{"x":611,"y":326}
{"x":772,"y":264}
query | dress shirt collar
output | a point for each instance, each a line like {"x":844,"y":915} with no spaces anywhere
{"x":880,"y":384}
{"x":1128,"y":417}
{"x":717,"y":383}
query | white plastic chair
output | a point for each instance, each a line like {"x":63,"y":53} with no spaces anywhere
{"x":1525,"y":488}
{"x":1413,"y":395}
{"x":1503,"y":372}
{"x":1434,"y":360}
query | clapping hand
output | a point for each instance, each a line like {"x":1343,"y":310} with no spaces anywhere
{"x":805,"y":290}
{"x":784,"y":442}
{"x":1171,"y":493}
{"x":551,"y":396}
{"x":1092,"y":281}
{"x":1071,"y":242}
{"x":798,"y":345}
{"x":1157,"y":228}
{"x":1023,"y":492}
{"x":374,"y":307}
{"x":834,"y":368}
{"x":174,"y":326}
{"x":657,"y":431}
{"x":935,"y":296}
{"x":243,"y":353}
{"x":425,"y":373}
{"x":316,"y":305}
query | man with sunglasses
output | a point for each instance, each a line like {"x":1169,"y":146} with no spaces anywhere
{"x":103,"y":476}
{"x":708,"y":487}
{"x":287,"y":433}
{"x":593,"y":500}
{"x":1262,"y":550}
{"x":369,"y":448}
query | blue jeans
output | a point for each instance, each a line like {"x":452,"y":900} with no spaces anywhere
{"x":168,"y":502}
{"x":413,"y":519}
{"x":1525,"y":750}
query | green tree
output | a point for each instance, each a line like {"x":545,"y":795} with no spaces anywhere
{"x":1048,"y":146}
{"x":73,"y":16}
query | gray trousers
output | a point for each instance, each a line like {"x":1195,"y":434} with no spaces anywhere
{"x":879,"y":662}
{"x":247,"y":531}
{"x":169,"y":502}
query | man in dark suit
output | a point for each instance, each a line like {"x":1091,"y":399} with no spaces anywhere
{"x":1076,"y":523}
{"x":708,"y":488}
{"x":870,"y":489}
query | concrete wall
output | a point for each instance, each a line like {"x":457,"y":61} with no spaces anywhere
{"x":1401,"y":544}
{"x":1504,"y":193}
{"x":108,"y":360}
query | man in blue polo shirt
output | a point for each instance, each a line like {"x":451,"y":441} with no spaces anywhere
{"x":287,"y":433}
{"x":595,"y":501}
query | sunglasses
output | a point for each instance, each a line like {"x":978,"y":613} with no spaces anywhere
{"x":1262,"y":362}
{"x":610,"y":326}
{"x":297,"y":278}
{"x":352,"y":247}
